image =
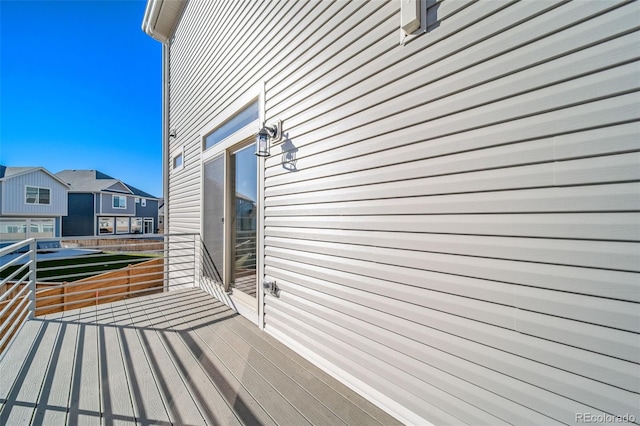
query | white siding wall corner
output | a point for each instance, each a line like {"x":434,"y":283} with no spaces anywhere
{"x":453,"y":223}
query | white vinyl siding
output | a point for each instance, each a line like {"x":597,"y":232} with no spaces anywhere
{"x":453,"y":224}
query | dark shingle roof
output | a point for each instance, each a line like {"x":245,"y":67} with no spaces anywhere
{"x":86,"y":181}
{"x":96,"y":181}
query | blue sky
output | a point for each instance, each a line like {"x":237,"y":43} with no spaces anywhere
{"x":81,"y":88}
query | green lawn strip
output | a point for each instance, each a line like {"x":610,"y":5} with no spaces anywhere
{"x":77,"y":268}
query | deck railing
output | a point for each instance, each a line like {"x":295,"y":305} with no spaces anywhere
{"x":17,"y":287}
{"x":39,"y":277}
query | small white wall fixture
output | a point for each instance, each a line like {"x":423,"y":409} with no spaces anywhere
{"x":409,"y":16}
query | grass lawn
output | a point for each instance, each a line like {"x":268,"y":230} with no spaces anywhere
{"x":78,"y":267}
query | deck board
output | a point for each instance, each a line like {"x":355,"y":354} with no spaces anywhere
{"x":252,"y":395}
{"x":190,"y":365}
{"x":337,"y":395}
{"x":145,"y":394}
{"x":54,"y":400}
{"x":32,"y":378}
{"x":13,"y":361}
{"x":176,"y":397}
{"x":116,"y":400}
{"x":261,"y":362}
{"x":84,"y":406}
{"x":181,"y":357}
{"x":319,"y":386}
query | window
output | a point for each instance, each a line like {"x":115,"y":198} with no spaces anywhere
{"x":122,"y":225}
{"x":41,"y":228}
{"x":178,"y":161}
{"x":136,"y":225}
{"x":106,"y":225}
{"x":144,"y":202}
{"x":21,"y":228}
{"x":13,"y":229}
{"x":17,"y":229}
{"x":35,"y":195}
{"x":235,"y":123}
{"x":137,"y":200}
{"x":119,"y":202}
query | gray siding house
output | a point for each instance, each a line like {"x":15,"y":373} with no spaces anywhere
{"x":449,"y":222}
{"x":102,"y":205}
{"x":33,"y":202}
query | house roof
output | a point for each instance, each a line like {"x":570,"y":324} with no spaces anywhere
{"x":96,"y":181}
{"x":139,"y":192}
{"x":11,"y":172}
{"x":91,"y":181}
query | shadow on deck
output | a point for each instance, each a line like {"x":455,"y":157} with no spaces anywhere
{"x":174,"y":358}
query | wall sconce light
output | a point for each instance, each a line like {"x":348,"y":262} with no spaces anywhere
{"x":265,"y":135}
{"x":173,"y":133}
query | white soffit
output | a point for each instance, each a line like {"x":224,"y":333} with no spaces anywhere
{"x":161,"y":18}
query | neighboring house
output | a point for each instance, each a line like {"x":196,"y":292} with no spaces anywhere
{"x":33,"y":203}
{"x":161,"y":216}
{"x":102,"y":205}
{"x":451,"y":216}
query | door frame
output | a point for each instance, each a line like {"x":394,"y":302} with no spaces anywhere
{"x":238,"y":301}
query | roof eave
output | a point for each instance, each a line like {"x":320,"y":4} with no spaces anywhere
{"x":36,"y":169}
{"x":161,"y":18}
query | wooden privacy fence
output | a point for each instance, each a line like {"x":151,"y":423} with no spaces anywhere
{"x":132,"y":281}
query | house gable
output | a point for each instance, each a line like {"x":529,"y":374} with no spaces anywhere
{"x":118,"y":187}
{"x":14,"y":192}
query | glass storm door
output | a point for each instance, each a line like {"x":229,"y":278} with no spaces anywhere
{"x":230,"y":218}
{"x":243,"y":186}
{"x":213,"y":215}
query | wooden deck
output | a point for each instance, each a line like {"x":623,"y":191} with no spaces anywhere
{"x":173,"y":358}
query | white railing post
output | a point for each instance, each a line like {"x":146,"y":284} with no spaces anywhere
{"x":32,"y":278}
{"x":196,"y":260}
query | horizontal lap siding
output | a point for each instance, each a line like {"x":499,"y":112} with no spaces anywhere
{"x":214,"y":60}
{"x":460,"y":232}
{"x":453,"y":223}
{"x":14,"y":193}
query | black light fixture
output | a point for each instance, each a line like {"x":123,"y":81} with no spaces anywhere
{"x":264,"y":136}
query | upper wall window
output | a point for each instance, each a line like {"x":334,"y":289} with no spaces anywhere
{"x":178,"y":161}
{"x":247,"y":116}
{"x":119,"y":202}
{"x":35,"y":195}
